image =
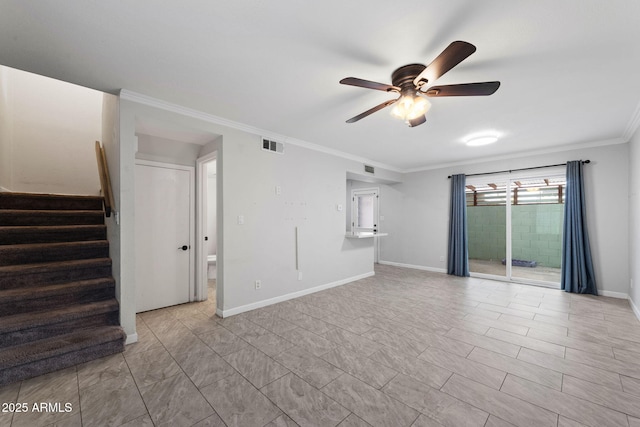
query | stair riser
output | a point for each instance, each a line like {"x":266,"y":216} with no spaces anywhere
{"x":16,"y":236}
{"x":47,"y":331}
{"x":56,"y":301}
{"x":39,"y":202}
{"x":50,"y":218}
{"x":16,"y":256}
{"x":54,"y":277}
{"x":44,"y":366}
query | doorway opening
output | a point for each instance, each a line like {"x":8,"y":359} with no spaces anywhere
{"x":364,"y":214}
{"x":207,"y":241}
{"x":515,"y":227}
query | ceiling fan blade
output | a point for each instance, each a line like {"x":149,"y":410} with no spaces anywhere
{"x":367,"y":84}
{"x":454,"y":54}
{"x":465,"y":89}
{"x":371,"y":111}
{"x":417,"y":121}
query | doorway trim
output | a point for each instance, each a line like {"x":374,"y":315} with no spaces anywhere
{"x":200,"y":265}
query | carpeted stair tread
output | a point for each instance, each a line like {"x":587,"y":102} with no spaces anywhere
{"x":32,"y":320}
{"x":30,"y":253}
{"x":8,"y":270}
{"x":11,"y":295}
{"x":11,"y":357}
{"x":49,"y":297}
{"x":13,"y":217}
{"x":15,"y":235}
{"x":49,"y":201}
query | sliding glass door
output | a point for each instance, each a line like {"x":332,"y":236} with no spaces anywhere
{"x":518,"y":237}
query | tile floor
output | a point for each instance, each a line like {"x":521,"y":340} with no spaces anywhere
{"x":403,"y":348}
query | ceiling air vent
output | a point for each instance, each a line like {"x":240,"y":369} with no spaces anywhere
{"x":369,"y":169}
{"x":275,"y":146}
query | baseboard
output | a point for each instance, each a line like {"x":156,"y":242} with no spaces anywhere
{"x":131,"y":338}
{"x":635,"y":309}
{"x":611,"y":294}
{"x":4,"y":190}
{"x":415,"y":267}
{"x":286,"y":297}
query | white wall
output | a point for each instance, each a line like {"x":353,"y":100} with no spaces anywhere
{"x":49,"y":131}
{"x":6,"y":130}
{"x":634,"y":221}
{"x":417,"y":212}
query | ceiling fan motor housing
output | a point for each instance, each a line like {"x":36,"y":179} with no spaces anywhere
{"x":403,"y":78}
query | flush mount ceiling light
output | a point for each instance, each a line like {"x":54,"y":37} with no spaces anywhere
{"x":480,"y":139}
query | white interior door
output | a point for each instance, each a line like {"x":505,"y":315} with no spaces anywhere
{"x":163,"y":230}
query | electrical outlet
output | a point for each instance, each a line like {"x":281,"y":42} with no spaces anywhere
{"x":278,"y":189}
{"x":240,"y":219}
{"x":299,"y":275}
{"x":258,"y":284}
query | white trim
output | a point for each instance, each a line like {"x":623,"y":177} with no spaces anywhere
{"x":131,"y":338}
{"x":634,"y":123}
{"x":286,"y":297}
{"x":210,"y":118}
{"x":4,"y":190}
{"x":557,"y":149}
{"x":635,"y":309}
{"x":415,"y":267}
{"x":612,"y":294}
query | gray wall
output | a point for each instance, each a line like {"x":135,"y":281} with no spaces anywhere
{"x":313,"y":184}
{"x":418,"y":226}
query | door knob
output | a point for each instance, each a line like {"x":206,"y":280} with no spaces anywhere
{"x":184,"y":247}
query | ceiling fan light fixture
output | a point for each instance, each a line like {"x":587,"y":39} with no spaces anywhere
{"x":410,"y":107}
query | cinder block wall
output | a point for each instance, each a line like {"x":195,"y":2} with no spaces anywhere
{"x":536,"y":233}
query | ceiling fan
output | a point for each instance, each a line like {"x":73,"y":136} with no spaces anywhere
{"x":411,"y":83}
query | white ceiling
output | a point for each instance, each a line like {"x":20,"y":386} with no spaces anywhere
{"x":569,"y":68}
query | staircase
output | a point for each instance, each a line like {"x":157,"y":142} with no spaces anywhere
{"x":57,"y":294}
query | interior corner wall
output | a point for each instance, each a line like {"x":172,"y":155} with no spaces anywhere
{"x":49,"y":141}
{"x":418,"y":223}
{"x":6,"y":132}
{"x":634,"y":222}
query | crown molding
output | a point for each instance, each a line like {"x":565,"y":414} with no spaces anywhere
{"x":210,"y":118}
{"x":559,"y":149}
{"x":634,"y":123}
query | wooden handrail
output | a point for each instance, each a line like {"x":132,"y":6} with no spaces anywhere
{"x":105,"y":181}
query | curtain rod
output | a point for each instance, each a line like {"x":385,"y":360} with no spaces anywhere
{"x":521,"y":169}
